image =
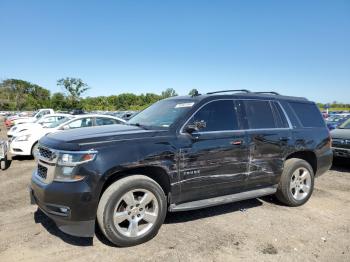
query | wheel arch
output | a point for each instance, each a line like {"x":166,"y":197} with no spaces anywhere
{"x":307,"y":155}
{"x":34,"y":144}
{"x":158,"y":174}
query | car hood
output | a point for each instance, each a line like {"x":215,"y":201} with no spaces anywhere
{"x":89,"y":137}
{"x":26,"y":118}
{"x":341,"y":133}
{"x":19,"y":127}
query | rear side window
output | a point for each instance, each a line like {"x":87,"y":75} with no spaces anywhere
{"x":218,"y":116}
{"x":281,"y":120}
{"x":259,"y":114}
{"x":308,"y":114}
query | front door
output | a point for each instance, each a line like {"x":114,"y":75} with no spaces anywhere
{"x":214,"y":160}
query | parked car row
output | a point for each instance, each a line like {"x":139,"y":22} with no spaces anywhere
{"x":335,"y":120}
{"x":26,"y":118}
{"x":24,"y":136}
{"x":341,"y":140}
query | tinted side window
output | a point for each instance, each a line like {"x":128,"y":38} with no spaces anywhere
{"x":259,"y":114}
{"x":218,"y":116}
{"x":101,"y":121}
{"x":308,"y":114}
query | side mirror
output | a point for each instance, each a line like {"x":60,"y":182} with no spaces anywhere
{"x":196,"y":126}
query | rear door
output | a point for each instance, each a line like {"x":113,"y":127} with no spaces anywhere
{"x":269,"y":134}
{"x":215,"y":160}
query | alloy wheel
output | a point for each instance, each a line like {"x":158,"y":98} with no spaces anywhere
{"x":300,"y":183}
{"x":136,"y":212}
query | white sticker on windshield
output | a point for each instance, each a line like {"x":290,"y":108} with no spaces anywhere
{"x":184,"y":105}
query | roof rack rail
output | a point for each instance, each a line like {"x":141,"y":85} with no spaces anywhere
{"x":227,"y":91}
{"x":270,"y":92}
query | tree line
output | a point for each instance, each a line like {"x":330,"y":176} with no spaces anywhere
{"x":20,"y":95}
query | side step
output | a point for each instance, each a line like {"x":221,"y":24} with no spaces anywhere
{"x":223,"y":199}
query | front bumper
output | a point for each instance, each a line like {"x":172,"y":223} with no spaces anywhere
{"x":341,"y":152}
{"x":22,"y":148}
{"x":69,"y":205}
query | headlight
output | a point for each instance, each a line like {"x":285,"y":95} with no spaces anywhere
{"x":75,"y":158}
{"x":67,"y":162}
{"x":23,"y":138}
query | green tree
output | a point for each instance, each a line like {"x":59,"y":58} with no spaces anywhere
{"x":16,"y":94}
{"x":75,"y":88}
{"x":58,"y":101}
{"x":38,"y":97}
{"x":193,"y":92}
{"x":169,"y":92}
{"x":18,"y":91}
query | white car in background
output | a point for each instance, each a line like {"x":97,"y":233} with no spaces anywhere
{"x":25,"y":143}
{"x":44,"y":121}
{"x":37,"y":115}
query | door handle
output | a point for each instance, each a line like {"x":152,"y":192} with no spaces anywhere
{"x":237,"y":142}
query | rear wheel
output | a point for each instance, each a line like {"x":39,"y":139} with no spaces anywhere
{"x":131,"y":210}
{"x":297,"y":182}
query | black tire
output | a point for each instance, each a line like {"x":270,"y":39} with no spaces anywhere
{"x":4,"y":163}
{"x":284,"y":193}
{"x":34,"y":149}
{"x":113,"y":195}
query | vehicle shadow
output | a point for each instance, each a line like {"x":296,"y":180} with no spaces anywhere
{"x":22,"y":158}
{"x":341,"y":165}
{"x":50,"y":226}
{"x":16,"y":158}
{"x":185,"y":216}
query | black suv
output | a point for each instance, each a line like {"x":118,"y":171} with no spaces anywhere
{"x":181,"y":153}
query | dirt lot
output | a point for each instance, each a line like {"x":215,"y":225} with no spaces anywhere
{"x":254,"y":230}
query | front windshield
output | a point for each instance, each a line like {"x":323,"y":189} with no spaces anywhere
{"x":59,"y":122}
{"x":163,"y":113}
{"x":345,"y":125}
{"x":34,"y":113}
{"x":37,"y":120}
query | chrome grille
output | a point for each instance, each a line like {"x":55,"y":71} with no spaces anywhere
{"x":45,"y":153}
{"x":42,"y":171}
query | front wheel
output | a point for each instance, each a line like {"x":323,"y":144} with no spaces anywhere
{"x":296,"y":184}
{"x":35,"y":149}
{"x":132,"y":210}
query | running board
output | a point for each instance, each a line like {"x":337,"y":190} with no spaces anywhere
{"x":223,"y":199}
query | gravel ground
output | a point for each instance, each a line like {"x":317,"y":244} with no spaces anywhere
{"x":254,"y":230}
